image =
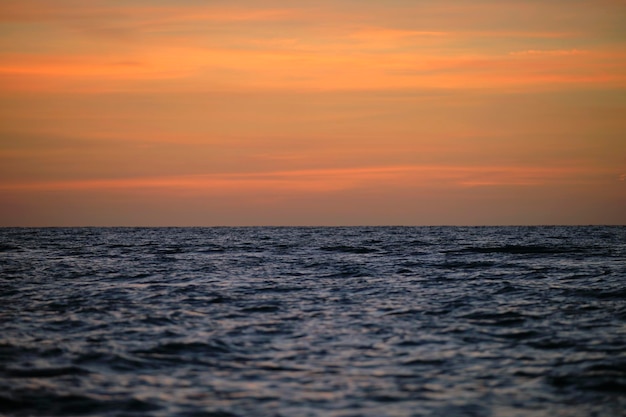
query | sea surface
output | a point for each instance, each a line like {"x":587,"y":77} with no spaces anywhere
{"x":355,"y":321}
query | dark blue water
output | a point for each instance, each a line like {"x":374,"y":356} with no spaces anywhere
{"x":389,"y":321}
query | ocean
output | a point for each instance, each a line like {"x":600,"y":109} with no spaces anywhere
{"x":313,"y":321}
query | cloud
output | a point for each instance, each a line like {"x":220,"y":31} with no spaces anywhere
{"x":70,"y":11}
{"x":557,"y":52}
{"x":86,"y":47}
{"x":330,"y":180}
{"x":211,"y":69}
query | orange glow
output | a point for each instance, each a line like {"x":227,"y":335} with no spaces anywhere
{"x":315,"y":109}
{"x":324,"y":180}
{"x":326,"y":70}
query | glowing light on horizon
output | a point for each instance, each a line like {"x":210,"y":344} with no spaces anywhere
{"x":504,"y":101}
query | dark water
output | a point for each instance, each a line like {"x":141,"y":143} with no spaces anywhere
{"x":392,"y":321}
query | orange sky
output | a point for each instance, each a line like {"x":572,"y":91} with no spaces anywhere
{"x":336,"y":112}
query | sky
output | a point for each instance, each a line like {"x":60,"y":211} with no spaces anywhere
{"x":342,"y":112}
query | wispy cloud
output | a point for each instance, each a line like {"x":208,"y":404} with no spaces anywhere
{"x":244,"y":98}
{"x":195,"y":46}
{"x":330,"y":180}
{"x":69,"y":11}
{"x":219,"y":70}
{"x":553,"y":52}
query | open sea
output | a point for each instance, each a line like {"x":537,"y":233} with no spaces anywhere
{"x":307,"y":321}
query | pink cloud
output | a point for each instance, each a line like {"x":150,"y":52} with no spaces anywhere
{"x":325,"y":180}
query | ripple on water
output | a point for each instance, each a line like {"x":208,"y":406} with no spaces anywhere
{"x":309,"y":322}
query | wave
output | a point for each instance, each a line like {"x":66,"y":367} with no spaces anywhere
{"x":41,"y":402}
{"x":312,"y":321}
{"x":349,"y":249}
{"x":519,"y":249}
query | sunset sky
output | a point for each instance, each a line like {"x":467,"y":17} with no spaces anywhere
{"x":343,"y":112}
